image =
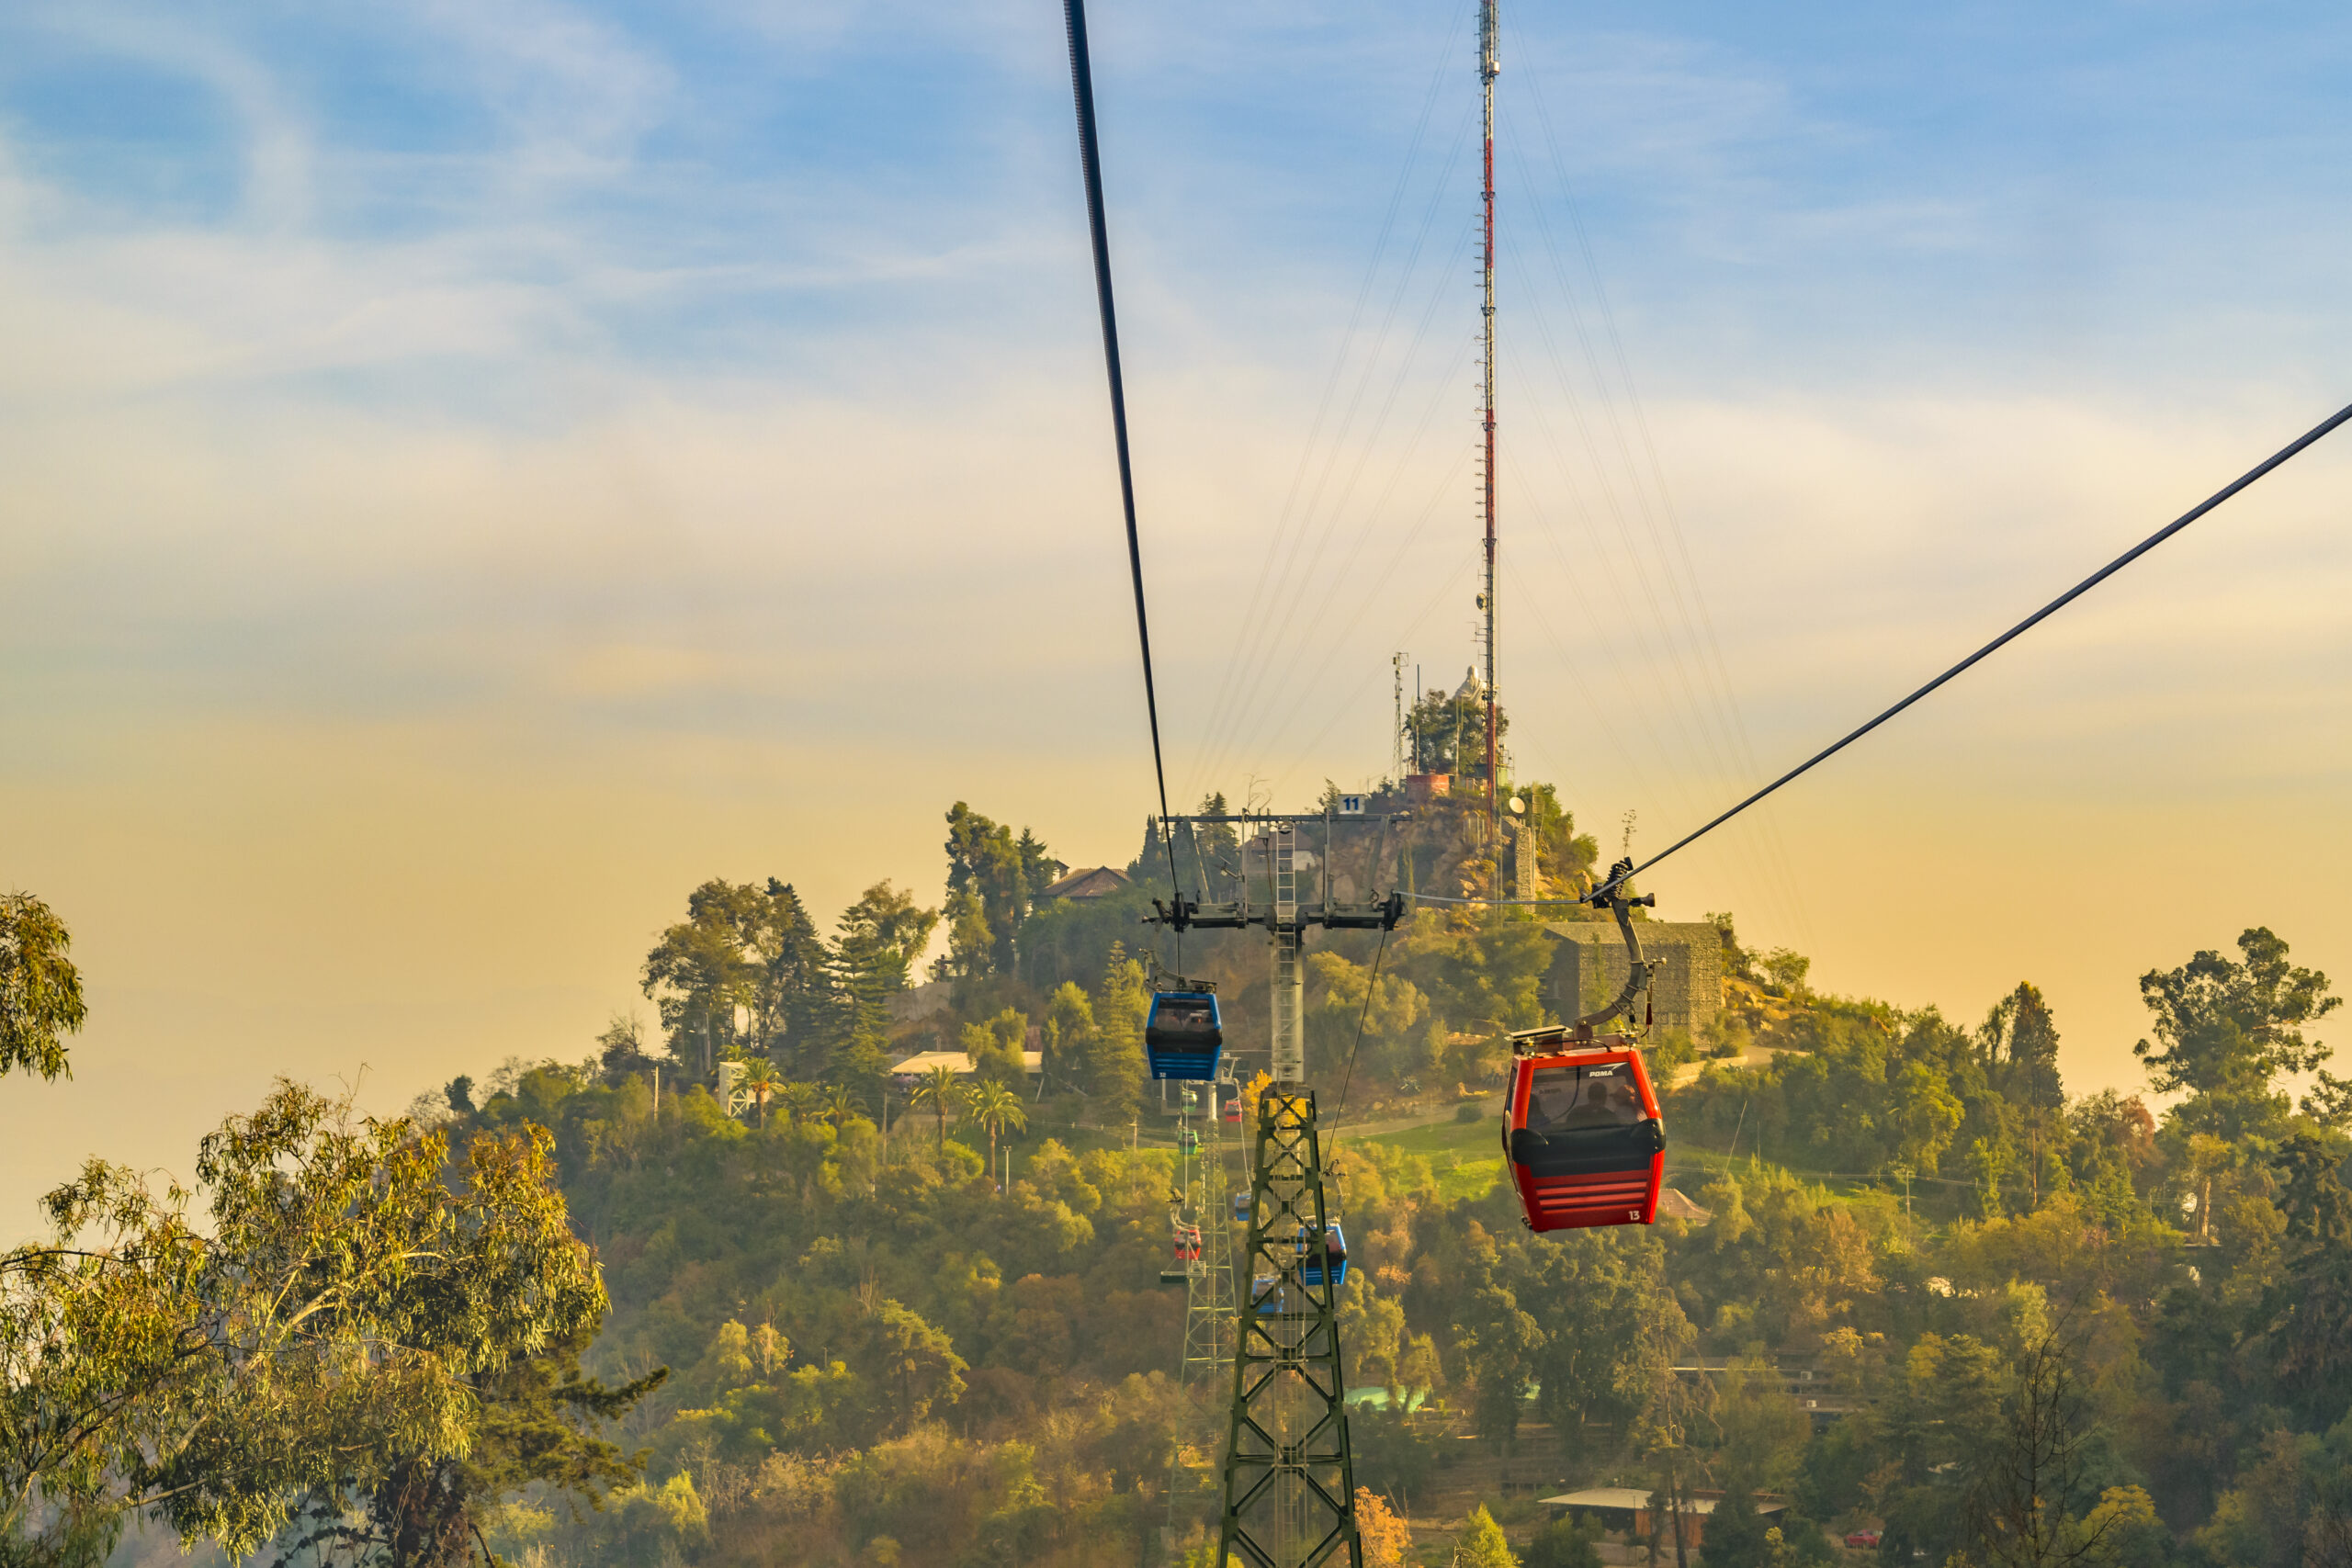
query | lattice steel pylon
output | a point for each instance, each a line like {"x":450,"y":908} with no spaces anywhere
{"x":1289,"y":1474}
{"x":1209,"y":1309}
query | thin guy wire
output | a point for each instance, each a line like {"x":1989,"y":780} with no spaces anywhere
{"x":1235,"y":664}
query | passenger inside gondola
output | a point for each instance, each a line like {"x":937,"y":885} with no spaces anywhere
{"x":1184,"y":1016}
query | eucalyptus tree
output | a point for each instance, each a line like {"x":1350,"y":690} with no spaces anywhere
{"x":41,"y":991}
{"x":336,"y":1317}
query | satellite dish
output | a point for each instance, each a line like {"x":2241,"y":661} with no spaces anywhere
{"x":1518,"y":807}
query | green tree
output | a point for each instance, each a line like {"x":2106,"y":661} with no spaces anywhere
{"x":1735,"y":1532}
{"x":336,"y":1315}
{"x":1565,"y":1544}
{"x":2019,"y":1043}
{"x":1923,"y":1113}
{"x":2307,"y":1312}
{"x":800,"y":1100}
{"x":1115,"y":1072}
{"x":539,"y":1423}
{"x":704,"y":970}
{"x":41,"y":991}
{"x":1447,"y":731}
{"x":2030,"y":1506}
{"x":841,"y":1103}
{"x":796,"y":1000}
{"x":1482,"y":1543}
{"x":2233,"y":1025}
{"x":1000,"y":877}
{"x":1067,"y":1032}
{"x":995,"y":1048}
{"x":1499,"y":1345}
{"x":912,"y":1366}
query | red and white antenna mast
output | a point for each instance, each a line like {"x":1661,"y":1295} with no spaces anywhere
{"x":1488,"y":67}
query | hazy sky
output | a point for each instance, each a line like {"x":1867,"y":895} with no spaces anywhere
{"x":469,"y":473}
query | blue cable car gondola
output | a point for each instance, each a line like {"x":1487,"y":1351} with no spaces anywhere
{"x":1183,"y":1036}
{"x":1316,"y":1255}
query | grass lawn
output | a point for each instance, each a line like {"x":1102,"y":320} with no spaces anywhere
{"x":1482,"y":1137}
{"x":1468,"y":1159}
{"x":1465,"y":1155}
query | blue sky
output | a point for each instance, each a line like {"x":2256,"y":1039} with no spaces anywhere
{"x":472,"y":473}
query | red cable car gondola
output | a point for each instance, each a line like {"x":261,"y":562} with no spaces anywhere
{"x":1585,"y":1141}
{"x":1581,"y":1129}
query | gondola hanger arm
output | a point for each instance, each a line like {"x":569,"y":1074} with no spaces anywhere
{"x":1637,"y":970}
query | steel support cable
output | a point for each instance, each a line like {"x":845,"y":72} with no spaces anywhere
{"x":1626,"y":680}
{"x":2242,"y":482}
{"x":1609,"y":649}
{"x":1082,"y":83}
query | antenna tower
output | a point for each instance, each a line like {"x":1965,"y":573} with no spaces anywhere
{"x":1396,"y":736}
{"x":1488,"y":67}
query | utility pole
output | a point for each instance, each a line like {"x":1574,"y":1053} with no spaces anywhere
{"x":1488,"y":67}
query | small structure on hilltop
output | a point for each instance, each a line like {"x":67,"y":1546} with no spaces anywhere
{"x":1687,"y":963}
{"x":957,"y":1062}
{"x":1626,"y":1510}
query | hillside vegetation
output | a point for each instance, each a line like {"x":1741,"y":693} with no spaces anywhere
{"x":870,"y":1319}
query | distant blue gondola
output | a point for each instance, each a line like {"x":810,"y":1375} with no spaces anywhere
{"x":1184,"y":1037}
{"x":1315,"y":1255}
{"x":1241,"y":1207}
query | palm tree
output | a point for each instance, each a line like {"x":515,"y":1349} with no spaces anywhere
{"x":938,"y":1089}
{"x":841,"y":1104}
{"x":797,"y":1100}
{"x":996,"y":1107}
{"x":761,"y":1081}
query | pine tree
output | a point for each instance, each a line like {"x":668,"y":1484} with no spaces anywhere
{"x":798,"y":1001}
{"x":1115,"y":1072}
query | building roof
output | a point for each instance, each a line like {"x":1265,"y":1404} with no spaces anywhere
{"x":1673,"y":1205}
{"x":1604,"y":933}
{"x":957,"y":1063}
{"x":1638,"y":1497}
{"x":1087,"y":882}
